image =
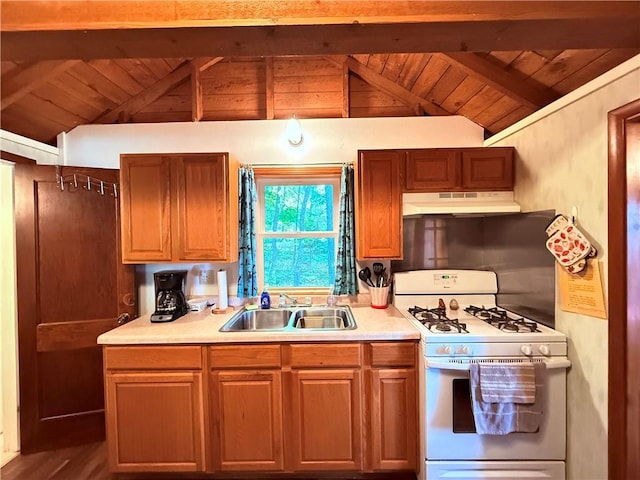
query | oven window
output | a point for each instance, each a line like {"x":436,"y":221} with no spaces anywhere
{"x":462,"y":411}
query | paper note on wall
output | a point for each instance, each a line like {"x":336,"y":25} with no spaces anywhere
{"x":582,"y":292}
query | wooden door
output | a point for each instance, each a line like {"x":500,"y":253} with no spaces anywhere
{"x":487,"y":169}
{"x":379,"y":205}
{"x":394,"y":432}
{"x":432,"y":170}
{"x":145,"y":182}
{"x":624,"y":285}
{"x":247,"y":406}
{"x":72,"y":287}
{"x":202,"y":221}
{"x":326,"y":420}
{"x":155,"y":421}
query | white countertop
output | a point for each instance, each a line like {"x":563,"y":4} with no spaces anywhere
{"x":203,"y":328}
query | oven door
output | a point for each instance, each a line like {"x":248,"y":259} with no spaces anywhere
{"x":449,"y":424}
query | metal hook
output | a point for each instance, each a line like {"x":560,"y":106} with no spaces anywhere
{"x":75,"y":181}
{"x":115,"y":190}
{"x":89,"y":183}
{"x":101,"y":187}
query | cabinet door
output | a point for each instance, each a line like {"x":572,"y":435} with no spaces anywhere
{"x":326,"y":420}
{"x":393,"y":419}
{"x":487,"y":168}
{"x":155,"y":421}
{"x":145,"y":205}
{"x":379,"y":205}
{"x":202,"y":228}
{"x":435,"y":170}
{"x":247,"y":412}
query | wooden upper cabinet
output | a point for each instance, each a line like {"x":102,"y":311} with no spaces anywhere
{"x":487,"y":168}
{"x":434,"y":169}
{"x":379,"y":205}
{"x":145,"y":206}
{"x":459,"y":169}
{"x":179,"y":208}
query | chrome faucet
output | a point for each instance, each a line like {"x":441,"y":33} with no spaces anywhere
{"x":282,"y":301}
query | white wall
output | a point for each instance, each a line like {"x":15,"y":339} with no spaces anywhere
{"x":257,"y":142}
{"x":8,"y":318}
{"x":562,"y":162}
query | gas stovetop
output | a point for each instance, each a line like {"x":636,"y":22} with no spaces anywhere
{"x":458,"y":308}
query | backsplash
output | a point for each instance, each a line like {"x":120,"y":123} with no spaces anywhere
{"x":511,"y":245}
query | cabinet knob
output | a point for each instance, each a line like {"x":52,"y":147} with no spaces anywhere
{"x":123,"y":318}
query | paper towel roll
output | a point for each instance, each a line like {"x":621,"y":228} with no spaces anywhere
{"x":223,"y":299}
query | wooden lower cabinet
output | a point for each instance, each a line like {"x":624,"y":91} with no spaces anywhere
{"x":155,"y":421}
{"x":394,"y":425}
{"x":272,"y":408}
{"x":326,"y":420}
{"x":247,"y":420}
{"x":393,"y":405}
{"x":154,"y":399}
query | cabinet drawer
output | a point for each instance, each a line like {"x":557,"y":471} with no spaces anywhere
{"x":153,"y":357}
{"x":395,"y":354}
{"x":318,"y":355}
{"x":238,"y":356}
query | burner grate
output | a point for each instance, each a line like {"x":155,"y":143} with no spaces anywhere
{"x":500,"y":319}
{"x":436,"y":320}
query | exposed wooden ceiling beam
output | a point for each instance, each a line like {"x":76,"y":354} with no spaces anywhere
{"x":21,"y":83}
{"x":20,"y":15}
{"x":148,"y":96}
{"x":389,"y":87}
{"x":199,"y":65}
{"x":75,"y":30}
{"x":203,"y":64}
{"x":501,"y":80}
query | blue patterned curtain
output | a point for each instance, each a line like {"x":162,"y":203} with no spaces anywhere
{"x":346,"y":277}
{"x":247,"y":278}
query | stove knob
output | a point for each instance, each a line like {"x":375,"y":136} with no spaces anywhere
{"x":526,"y":349}
{"x":464,"y":350}
{"x":446,"y":350}
{"x":544,"y":350}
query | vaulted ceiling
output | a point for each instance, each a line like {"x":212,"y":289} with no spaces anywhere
{"x":68,"y":63}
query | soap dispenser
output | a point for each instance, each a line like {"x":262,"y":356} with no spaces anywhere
{"x":265,"y":299}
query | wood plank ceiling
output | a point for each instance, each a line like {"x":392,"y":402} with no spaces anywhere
{"x":69,"y":63}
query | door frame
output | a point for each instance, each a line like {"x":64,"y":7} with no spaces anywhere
{"x":620,"y":457}
{"x":10,"y":445}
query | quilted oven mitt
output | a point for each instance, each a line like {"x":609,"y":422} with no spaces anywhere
{"x":568,"y":244}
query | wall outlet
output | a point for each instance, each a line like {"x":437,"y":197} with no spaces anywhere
{"x":206,"y":276}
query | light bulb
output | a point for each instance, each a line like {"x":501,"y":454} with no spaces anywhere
{"x":294,"y":132}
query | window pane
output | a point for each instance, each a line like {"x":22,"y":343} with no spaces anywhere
{"x":299,"y":262}
{"x":298,"y":208}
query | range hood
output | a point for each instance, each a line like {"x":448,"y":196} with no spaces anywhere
{"x":462,"y":203}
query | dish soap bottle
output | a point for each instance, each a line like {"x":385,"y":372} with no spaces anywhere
{"x":265,"y":300}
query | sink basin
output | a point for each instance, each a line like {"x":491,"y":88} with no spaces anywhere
{"x":291,"y":319}
{"x":333,"y":318}
{"x":258,"y":320}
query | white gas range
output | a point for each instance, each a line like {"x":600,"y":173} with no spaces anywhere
{"x":460,"y":324}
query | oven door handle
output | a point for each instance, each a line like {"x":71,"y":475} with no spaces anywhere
{"x":460,"y":366}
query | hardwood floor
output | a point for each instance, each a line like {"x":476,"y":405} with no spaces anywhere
{"x":89,"y":462}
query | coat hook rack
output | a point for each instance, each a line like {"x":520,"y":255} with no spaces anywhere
{"x":79,"y":180}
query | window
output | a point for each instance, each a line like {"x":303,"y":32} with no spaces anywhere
{"x":297,"y":228}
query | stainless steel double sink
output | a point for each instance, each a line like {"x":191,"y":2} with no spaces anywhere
{"x":291,"y":319}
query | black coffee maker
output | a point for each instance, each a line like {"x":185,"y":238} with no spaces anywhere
{"x":170,"y":300}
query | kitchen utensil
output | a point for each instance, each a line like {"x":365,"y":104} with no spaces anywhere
{"x":365,"y":276}
{"x":378,"y":268}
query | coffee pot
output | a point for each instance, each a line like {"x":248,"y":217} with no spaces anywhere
{"x":171,"y":302}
